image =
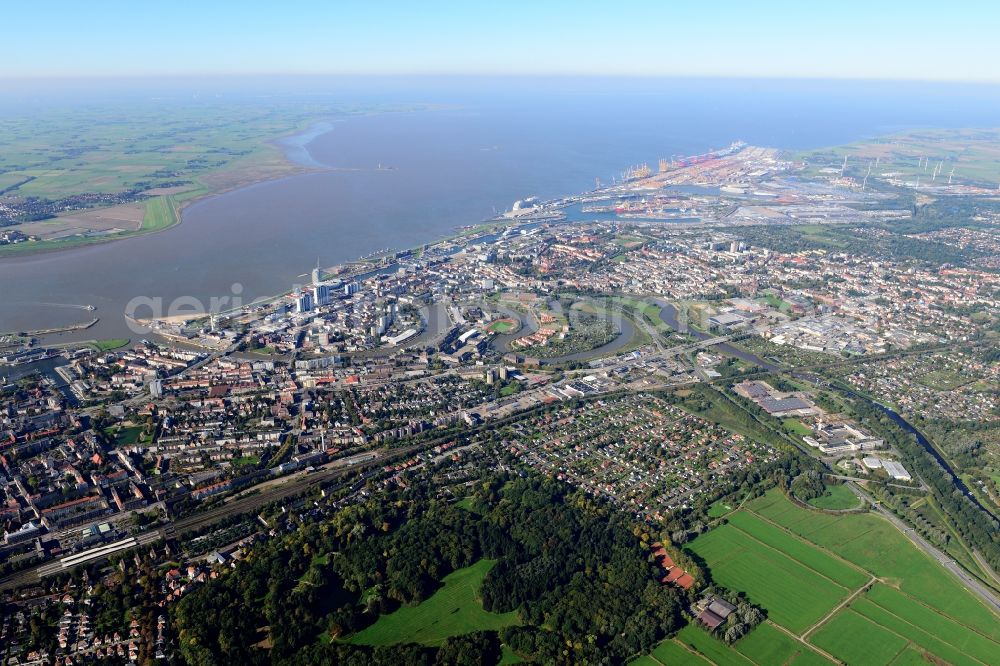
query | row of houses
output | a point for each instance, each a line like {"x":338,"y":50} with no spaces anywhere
{"x":673,"y":574}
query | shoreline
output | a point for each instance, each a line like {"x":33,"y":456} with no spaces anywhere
{"x":295,"y":169}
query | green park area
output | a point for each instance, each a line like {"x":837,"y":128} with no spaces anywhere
{"x":126,"y":435}
{"x":837,"y":498}
{"x":796,"y":427}
{"x":453,"y":610}
{"x":775,"y":301}
{"x":943,"y":380}
{"x":719,"y":509}
{"x":110,"y":344}
{"x":649,"y":311}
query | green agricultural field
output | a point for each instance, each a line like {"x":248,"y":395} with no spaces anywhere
{"x":711,"y":648}
{"x":672,"y":652}
{"x":950,"y":631}
{"x":160,"y":214}
{"x":769,"y":645}
{"x":809,"y":570}
{"x":769,"y":577}
{"x":63,"y":151}
{"x":764,"y":645}
{"x":823,"y":563}
{"x":974,"y":154}
{"x":917,"y":611}
{"x":912,"y":657}
{"x":775,"y":507}
{"x":854,"y":640}
{"x":919,"y":638}
{"x":837,"y":497}
{"x":453,"y":610}
{"x":874,"y":545}
{"x":76,"y":160}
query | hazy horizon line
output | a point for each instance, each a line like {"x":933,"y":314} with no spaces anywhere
{"x":416,"y":76}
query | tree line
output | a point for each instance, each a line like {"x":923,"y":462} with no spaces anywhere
{"x":582,"y":582}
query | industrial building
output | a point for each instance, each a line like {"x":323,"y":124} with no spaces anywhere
{"x":837,"y":438}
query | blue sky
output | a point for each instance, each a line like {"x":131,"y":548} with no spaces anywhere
{"x":832,"y":39}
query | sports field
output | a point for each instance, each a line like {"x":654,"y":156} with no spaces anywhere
{"x":453,"y":610}
{"x":503,"y":326}
{"x":845,"y":586}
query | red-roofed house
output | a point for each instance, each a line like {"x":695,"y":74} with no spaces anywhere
{"x":673,"y":575}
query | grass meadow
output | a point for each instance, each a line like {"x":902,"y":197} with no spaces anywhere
{"x":453,"y":610}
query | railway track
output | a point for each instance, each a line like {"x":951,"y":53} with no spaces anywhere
{"x":242,"y":505}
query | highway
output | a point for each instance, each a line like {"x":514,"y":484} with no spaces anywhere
{"x":970,"y":583}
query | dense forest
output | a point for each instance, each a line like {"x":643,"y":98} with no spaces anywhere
{"x":578,"y":574}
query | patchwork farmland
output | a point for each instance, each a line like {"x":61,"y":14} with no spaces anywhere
{"x":837,"y":589}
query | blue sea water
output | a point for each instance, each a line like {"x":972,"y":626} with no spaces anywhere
{"x":483,"y":145}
